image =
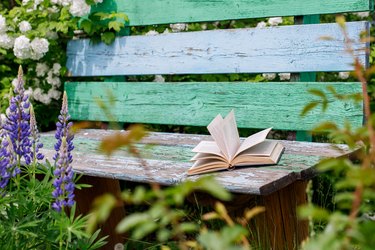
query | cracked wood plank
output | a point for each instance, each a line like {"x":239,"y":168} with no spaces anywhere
{"x":257,"y":105}
{"x":297,"y":48}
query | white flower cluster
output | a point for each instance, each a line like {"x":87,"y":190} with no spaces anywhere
{"x":52,"y":77}
{"x":24,"y":26}
{"x":272,"y":76}
{"x":77,"y":8}
{"x":178,"y":27}
{"x":3,"y":25}
{"x":273,"y":21}
{"x":24,"y":49}
{"x":6,"y":41}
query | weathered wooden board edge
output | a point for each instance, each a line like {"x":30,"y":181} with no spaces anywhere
{"x":248,"y":50}
{"x":149,"y":12}
{"x":257,"y":105}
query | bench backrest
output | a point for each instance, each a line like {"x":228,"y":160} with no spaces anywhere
{"x":295,"y":48}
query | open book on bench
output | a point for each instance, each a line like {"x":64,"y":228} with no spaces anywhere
{"x":227,"y":151}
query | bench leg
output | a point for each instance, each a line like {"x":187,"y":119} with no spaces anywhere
{"x":85,"y":198}
{"x":279,"y":226}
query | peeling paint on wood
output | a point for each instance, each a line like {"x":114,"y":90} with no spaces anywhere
{"x":168,"y":162}
{"x":297,"y":48}
{"x":257,"y":105}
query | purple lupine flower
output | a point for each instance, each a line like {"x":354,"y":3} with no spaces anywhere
{"x":17,"y":123}
{"x":8,"y":167}
{"x":63,"y":183}
{"x":35,"y":138}
{"x":63,"y":130}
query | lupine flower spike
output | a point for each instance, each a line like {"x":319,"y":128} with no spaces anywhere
{"x":8,"y":167}
{"x":63,"y":183}
{"x":35,"y":138}
{"x":17,"y":123}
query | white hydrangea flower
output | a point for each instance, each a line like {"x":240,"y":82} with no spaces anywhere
{"x":41,"y":69}
{"x":274,"y":21}
{"x":152,"y":33}
{"x":54,"y":94}
{"x":54,"y":81}
{"x":6,"y":41}
{"x":40,"y":96}
{"x":284,"y":76}
{"x":56,"y":68}
{"x":22,"y":47}
{"x":3,"y":25}
{"x":98,"y":1}
{"x":24,"y":2}
{"x":39,"y":48}
{"x":204,"y":26}
{"x":261,"y":25}
{"x":159,"y":78}
{"x":269,"y":76}
{"x":178,"y":27}
{"x":344,"y":75}
{"x":362,"y":14}
{"x":166,"y":31}
{"x":79,"y":8}
{"x":24,"y":26}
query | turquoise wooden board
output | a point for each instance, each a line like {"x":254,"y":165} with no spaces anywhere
{"x":297,"y":48}
{"x":256,"y":105}
{"x":146,"y":12}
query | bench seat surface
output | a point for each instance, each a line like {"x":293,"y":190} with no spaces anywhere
{"x":167,"y":157}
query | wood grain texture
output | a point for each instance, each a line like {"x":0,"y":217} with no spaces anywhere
{"x":256,"y":105}
{"x":168,"y":162}
{"x":297,"y":48}
{"x":148,"y":12}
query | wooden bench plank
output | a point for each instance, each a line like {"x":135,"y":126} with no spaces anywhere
{"x":167,"y":164}
{"x":147,"y":12}
{"x":297,"y":48}
{"x":257,"y":105}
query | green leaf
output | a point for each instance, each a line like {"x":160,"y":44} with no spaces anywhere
{"x":317,"y":92}
{"x":103,"y":206}
{"x":115,"y":25}
{"x":131,"y":221}
{"x":108,"y":37}
{"x":314,"y":212}
{"x":309,"y":107}
{"x":144,"y":229}
{"x":86,"y":25}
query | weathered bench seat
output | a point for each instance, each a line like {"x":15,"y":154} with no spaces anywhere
{"x":167,"y":156}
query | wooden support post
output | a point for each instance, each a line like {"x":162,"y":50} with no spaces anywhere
{"x":279,"y":226}
{"x":85,"y":198}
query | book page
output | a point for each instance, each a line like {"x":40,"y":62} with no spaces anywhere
{"x":253,"y":140}
{"x":231,"y":136}
{"x":264,"y":148}
{"x":204,"y":166}
{"x":208,"y":147}
{"x":203,"y":156}
{"x":216,"y":130}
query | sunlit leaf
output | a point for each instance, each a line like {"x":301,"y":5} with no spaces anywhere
{"x":309,"y":107}
{"x":131,"y":221}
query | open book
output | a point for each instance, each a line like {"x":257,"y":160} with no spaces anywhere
{"x":227,"y":151}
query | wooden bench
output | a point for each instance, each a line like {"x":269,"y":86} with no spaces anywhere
{"x":297,"y":49}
